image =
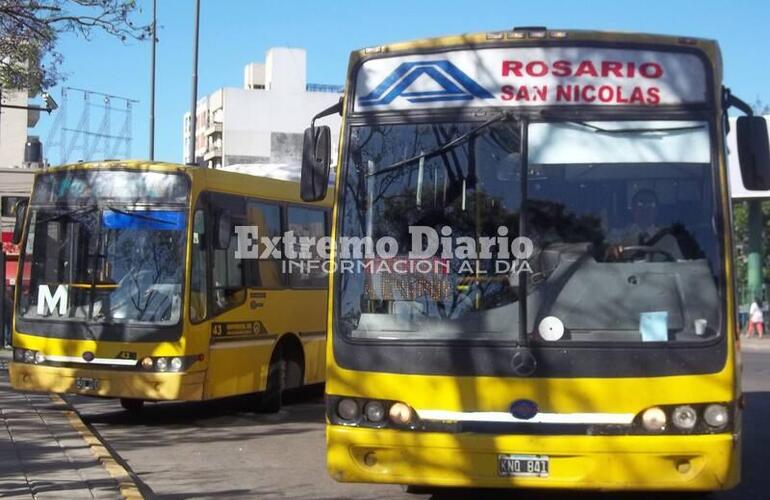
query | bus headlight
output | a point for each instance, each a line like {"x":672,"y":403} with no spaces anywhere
{"x":29,"y":356}
{"x":400,"y":413}
{"x":147,"y":363}
{"x":176,"y":364}
{"x":39,"y":357}
{"x":161,"y":364}
{"x":654,"y":419}
{"x":684,"y":417}
{"x":374,"y":411}
{"x":347,"y":409}
{"x":716,"y":416}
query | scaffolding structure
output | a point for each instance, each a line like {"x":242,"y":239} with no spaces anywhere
{"x":112,"y":137}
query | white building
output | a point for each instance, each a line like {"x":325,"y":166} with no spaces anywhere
{"x":13,"y":127}
{"x":264,"y":121}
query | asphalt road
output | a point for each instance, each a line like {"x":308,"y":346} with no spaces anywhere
{"x":225,"y":450}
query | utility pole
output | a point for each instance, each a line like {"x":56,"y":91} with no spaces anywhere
{"x":152,"y":81}
{"x":194,"y":99}
{"x":754,"y":261}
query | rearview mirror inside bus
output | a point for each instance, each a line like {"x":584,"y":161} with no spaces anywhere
{"x":316,"y":158}
{"x":224,"y":231}
{"x":754,"y":152}
{"x":21,"y":214}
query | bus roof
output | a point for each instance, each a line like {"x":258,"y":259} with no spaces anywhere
{"x":265,"y":183}
{"x":542,"y":35}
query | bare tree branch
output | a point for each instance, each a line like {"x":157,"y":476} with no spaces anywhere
{"x":30,"y":29}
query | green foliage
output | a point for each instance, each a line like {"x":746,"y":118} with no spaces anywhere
{"x":741,"y":242}
{"x":741,"y":228}
{"x":30,"y":29}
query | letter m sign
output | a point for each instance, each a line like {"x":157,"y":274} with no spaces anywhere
{"x":47,"y":302}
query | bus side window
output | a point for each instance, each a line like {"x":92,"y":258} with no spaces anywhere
{"x":229,"y":284}
{"x":264,"y":273}
{"x":198,"y":276}
{"x":309,"y":223}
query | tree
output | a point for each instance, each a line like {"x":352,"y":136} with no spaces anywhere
{"x":740,"y":230}
{"x":760,"y":107}
{"x":30,"y":29}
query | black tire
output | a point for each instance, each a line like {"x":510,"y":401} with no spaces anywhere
{"x":285,"y":372}
{"x":413,"y":489}
{"x":271,"y":399}
{"x":132,"y":405}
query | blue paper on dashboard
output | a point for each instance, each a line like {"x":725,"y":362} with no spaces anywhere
{"x":654,"y":326}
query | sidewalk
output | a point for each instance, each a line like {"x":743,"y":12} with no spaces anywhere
{"x":42,"y":456}
{"x":755,"y":344}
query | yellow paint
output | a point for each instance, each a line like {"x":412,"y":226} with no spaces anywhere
{"x":112,"y":383}
{"x":576,"y":462}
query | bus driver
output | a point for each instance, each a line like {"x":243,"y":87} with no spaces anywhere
{"x":643,"y":235}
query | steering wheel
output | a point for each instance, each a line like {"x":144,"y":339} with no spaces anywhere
{"x":659,"y":235}
{"x":628,"y":252}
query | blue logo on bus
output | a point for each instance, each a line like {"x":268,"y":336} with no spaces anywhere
{"x":455,"y":85}
{"x":524,"y":409}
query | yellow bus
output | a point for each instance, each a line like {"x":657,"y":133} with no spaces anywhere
{"x":131,"y":286}
{"x":533,"y":279}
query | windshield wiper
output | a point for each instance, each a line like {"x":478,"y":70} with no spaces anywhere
{"x":601,"y":130}
{"x":139,"y":216}
{"x":460,"y":139}
{"x":68,"y":213}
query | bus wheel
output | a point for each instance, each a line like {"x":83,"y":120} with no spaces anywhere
{"x":270,"y":401}
{"x":414,"y":489}
{"x":285,"y":372}
{"x":132,"y":405}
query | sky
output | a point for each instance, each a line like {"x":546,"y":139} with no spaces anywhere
{"x":235,"y":32}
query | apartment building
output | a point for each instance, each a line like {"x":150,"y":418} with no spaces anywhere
{"x":263,"y":122}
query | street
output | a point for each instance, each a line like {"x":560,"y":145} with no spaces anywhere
{"x":224,"y":449}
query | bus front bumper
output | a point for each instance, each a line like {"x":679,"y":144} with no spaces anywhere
{"x":696,"y":463}
{"x":107,"y":383}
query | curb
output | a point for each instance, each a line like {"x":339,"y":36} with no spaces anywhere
{"x":128,"y":488}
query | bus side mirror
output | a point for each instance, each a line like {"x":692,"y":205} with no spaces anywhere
{"x":754,"y":152}
{"x":316,"y":158}
{"x":21,"y":214}
{"x":223,"y":231}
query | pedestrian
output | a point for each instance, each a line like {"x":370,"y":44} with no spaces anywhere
{"x":756,"y":319}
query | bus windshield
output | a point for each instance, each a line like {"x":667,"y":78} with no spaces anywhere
{"x":104,"y":258}
{"x":620,"y":220}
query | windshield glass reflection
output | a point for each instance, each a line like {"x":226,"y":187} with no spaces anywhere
{"x":620,"y":214}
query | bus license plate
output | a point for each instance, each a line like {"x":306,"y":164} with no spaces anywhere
{"x":522,"y":465}
{"x":86,"y":383}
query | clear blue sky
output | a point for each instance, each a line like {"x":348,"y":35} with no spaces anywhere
{"x":235,"y":32}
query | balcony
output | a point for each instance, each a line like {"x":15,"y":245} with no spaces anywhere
{"x":210,"y":154}
{"x":213,"y":128}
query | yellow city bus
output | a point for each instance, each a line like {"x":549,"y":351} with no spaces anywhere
{"x":589,"y":344}
{"x":130,"y":286}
